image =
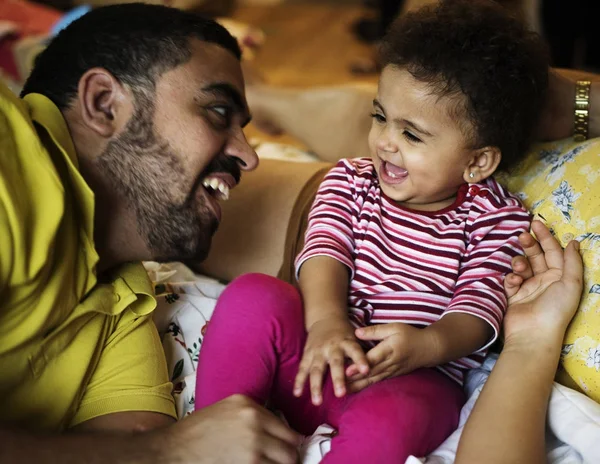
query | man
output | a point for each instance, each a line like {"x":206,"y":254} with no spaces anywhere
{"x":129,"y":133}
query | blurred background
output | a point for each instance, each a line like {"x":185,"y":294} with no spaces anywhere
{"x":300,"y":43}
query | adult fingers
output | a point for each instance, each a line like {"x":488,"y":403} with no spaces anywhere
{"x":548,"y":254}
{"x":278,"y":430}
{"x":521,"y":267}
{"x":277,"y":451}
{"x":512,"y":284}
{"x":573,"y":272}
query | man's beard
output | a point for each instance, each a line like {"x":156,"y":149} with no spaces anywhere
{"x":145,"y":170}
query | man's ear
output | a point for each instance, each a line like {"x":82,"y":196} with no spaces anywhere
{"x":483,"y":164}
{"x":101,"y":98}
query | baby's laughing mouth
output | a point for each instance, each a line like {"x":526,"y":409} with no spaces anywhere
{"x":392,"y":174}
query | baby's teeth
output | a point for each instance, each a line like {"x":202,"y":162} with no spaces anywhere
{"x":214,"y":183}
{"x":206,"y":183}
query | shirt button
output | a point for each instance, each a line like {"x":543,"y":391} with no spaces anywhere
{"x":116,"y":297}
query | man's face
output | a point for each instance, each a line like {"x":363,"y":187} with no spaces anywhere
{"x":182,"y":151}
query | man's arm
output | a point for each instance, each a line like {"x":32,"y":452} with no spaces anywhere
{"x":16,"y":446}
{"x":133,"y":421}
{"x":557,"y":118}
{"x":233,"y":430}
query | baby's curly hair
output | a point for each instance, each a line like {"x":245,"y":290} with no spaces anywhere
{"x":474,"y":48}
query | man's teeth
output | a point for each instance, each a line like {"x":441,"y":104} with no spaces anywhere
{"x":216,"y":184}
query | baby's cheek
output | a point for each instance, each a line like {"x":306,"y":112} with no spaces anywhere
{"x":372,"y":139}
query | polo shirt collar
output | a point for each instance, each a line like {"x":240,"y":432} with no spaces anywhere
{"x":44,"y":112}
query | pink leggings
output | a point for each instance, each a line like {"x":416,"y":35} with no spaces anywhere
{"x":254,"y":345}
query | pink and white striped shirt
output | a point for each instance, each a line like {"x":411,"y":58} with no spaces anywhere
{"x":414,"y":266}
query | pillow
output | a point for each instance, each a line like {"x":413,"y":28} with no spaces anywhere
{"x":560,"y":183}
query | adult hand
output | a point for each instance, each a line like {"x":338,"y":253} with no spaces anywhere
{"x":235,"y":430}
{"x":330,"y":341}
{"x":402,"y":349}
{"x":544,"y":289}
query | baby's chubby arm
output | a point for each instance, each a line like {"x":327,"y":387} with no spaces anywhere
{"x":324,"y":286}
{"x":456,"y":335}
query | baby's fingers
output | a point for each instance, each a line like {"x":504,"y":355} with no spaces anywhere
{"x":302,"y":375}
{"x":336,"y":366}
{"x":352,"y":370}
{"x":355,"y":352}
{"x":316,"y":373}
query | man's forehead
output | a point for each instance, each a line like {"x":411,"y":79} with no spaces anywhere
{"x":211,"y":63}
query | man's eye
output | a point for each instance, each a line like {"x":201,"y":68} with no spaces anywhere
{"x":221,"y":110}
{"x":222,"y":116}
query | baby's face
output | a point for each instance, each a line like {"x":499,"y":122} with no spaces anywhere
{"x":419,"y":150}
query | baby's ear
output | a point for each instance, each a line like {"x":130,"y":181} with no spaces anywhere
{"x":483,"y":163}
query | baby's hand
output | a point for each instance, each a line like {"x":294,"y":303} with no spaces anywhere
{"x":329,"y":343}
{"x":402,"y":349}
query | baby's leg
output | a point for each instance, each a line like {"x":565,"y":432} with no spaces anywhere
{"x":394,"y":418}
{"x":253,"y":346}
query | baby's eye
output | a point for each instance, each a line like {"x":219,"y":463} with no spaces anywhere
{"x":378,"y":117}
{"x":411,"y":137}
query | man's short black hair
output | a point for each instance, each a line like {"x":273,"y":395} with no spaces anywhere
{"x":475,"y":48}
{"x":135,"y":42}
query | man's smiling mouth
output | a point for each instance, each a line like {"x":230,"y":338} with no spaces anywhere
{"x":216,"y":187}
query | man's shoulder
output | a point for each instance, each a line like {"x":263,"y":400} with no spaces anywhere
{"x":31,"y":190}
{"x":13,"y":112}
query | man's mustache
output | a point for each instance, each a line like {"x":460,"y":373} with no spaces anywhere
{"x":220,"y":163}
{"x":226,"y":164}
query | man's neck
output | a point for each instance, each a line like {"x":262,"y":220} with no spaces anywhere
{"x":116,"y":238}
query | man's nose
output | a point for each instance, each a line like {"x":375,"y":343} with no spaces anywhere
{"x":238,"y":147}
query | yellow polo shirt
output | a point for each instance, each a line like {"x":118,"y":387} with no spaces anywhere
{"x":71,"y":348}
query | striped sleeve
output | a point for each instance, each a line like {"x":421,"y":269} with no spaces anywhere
{"x":329,"y":231}
{"x":493,"y":243}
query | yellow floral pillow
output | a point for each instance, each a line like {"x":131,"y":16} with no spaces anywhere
{"x":560,"y":183}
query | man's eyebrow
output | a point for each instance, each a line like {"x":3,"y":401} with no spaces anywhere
{"x":408,"y":122}
{"x":229,"y":92}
